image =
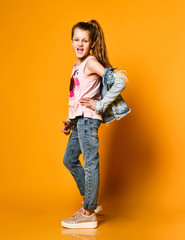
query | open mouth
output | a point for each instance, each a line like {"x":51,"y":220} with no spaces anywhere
{"x":80,"y":50}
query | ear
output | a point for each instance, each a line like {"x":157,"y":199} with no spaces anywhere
{"x":93,"y":44}
{"x":72,"y":42}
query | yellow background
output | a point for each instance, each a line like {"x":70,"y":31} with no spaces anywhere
{"x":141,"y":156}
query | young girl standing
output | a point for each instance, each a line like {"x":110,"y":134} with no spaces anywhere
{"x":85,"y":117}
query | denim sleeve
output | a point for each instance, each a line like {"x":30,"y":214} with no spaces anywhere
{"x":117,"y":87}
{"x":69,"y":120}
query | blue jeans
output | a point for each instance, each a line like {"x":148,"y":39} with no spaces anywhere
{"x":84,"y":139}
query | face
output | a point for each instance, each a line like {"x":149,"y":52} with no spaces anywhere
{"x":81,"y":43}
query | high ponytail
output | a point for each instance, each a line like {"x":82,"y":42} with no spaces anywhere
{"x":99,"y":51}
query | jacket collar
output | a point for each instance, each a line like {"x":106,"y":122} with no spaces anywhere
{"x":107,"y":70}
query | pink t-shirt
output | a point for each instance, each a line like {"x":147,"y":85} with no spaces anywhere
{"x":82,"y":86}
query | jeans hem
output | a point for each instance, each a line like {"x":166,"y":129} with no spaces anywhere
{"x":87,"y":206}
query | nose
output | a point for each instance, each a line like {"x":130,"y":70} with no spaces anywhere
{"x":80,"y":43}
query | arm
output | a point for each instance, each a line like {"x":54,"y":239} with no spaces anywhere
{"x":94,"y":67}
{"x":99,"y":105}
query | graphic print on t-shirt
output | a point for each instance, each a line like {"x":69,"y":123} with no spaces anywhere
{"x":74,"y":88}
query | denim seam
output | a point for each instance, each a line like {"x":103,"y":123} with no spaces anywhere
{"x":78,"y":179}
{"x":87,"y":161}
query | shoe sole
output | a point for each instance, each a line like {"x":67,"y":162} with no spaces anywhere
{"x":80,"y":225}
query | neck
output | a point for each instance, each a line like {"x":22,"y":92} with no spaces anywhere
{"x":80,"y":60}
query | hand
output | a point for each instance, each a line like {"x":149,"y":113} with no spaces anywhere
{"x":88,"y":102}
{"x":66,"y":128}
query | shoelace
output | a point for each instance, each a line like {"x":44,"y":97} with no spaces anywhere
{"x":78,"y":212}
{"x":77,"y":215}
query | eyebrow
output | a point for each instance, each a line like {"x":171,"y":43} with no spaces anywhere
{"x":82,"y":38}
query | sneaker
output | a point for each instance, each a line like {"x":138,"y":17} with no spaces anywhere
{"x":80,"y":220}
{"x":98,"y":210}
{"x":80,"y":210}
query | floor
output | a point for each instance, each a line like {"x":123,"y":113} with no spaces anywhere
{"x":42,"y":222}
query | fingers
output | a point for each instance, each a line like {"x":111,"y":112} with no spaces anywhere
{"x":85,"y":100}
{"x":66,"y":128}
{"x":65,"y":131}
{"x":85,"y":103}
{"x":64,"y":122}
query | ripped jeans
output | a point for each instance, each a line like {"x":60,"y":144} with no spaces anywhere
{"x":84,"y":139}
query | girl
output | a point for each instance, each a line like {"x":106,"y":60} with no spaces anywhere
{"x":86,"y":109}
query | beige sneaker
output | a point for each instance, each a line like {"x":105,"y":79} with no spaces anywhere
{"x":80,"y":220}
{"x":99,"y":209}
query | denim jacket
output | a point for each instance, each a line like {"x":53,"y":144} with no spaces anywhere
{"x":112,"y":105}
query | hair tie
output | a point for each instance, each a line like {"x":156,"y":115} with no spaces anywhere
{"x":89,"y":22}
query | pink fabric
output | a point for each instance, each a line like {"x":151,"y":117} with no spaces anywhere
{"x":82,"y":86}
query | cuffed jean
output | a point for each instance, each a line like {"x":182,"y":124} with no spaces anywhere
{"x":84,"y":139}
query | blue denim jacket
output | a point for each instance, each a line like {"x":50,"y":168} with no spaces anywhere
{"x":112,"y":105}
